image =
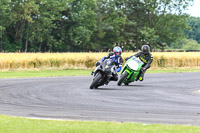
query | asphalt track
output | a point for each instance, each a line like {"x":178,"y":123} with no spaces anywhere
{"x":172,"y":98}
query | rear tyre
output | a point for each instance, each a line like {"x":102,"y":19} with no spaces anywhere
{"x":122,"y":78}
{"x":126,"y":83}
{"x":96,"y":80}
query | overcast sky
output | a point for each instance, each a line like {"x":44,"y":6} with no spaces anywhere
{"x":195,"y":9}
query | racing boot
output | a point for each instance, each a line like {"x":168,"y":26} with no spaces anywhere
{"x":141,"y":76}
{"x":115,"y":77}
{"x":92,"y":73}
{"x":106,"y":83}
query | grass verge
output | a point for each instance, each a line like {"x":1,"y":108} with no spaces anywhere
{"x":77,"y":72}
{"x":173,"y":70}
{"x":43,"y":73}
{"x":10,"y":124}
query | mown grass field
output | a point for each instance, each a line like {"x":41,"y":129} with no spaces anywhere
{"x":10,"y":124}
{"x":10,"y":61}
{"x":73,"y":72}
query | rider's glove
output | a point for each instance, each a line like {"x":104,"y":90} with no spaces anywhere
{"x":118,"y":69}
{"x":127,"y":58}
{"x":98,"y":63}
{"x":143,"y":69}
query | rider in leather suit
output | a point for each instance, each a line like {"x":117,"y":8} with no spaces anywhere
{"x":116,"y":56}
{"x":145,"y":56}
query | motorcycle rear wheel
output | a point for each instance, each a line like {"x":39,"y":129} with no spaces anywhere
{"x":122,"y":78}
{"x":96,"y":80}
{"x":126,"y":83}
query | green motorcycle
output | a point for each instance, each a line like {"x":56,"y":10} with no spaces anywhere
{"x":130,"y":71}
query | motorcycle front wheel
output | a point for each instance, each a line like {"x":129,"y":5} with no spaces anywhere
{"x":122,"y":78}
{"x":96,"y":80}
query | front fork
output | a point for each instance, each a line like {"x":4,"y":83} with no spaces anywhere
{"x":125,"y":69}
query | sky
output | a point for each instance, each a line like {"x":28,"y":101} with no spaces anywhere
{"x":194,"y":10}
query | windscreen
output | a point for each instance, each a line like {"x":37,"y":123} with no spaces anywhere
{"x":109,"y":62}
{"x":137,"y":60}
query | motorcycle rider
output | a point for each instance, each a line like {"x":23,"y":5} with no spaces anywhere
{"x":117,"y":58}
{"x":146,"y":57}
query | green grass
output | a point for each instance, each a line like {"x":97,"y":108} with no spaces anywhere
{"x":172,"y":70}
{"x":54,"y":73}
{"x":10,"y":124}
{"x":43,"y":73}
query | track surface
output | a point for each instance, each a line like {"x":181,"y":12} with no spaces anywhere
{"x":161,"y":98}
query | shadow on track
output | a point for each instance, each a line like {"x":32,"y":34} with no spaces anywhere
{"x":106,"y":89}
{"x":134,"y":85}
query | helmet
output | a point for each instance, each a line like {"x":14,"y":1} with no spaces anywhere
{"x":145,"y":49}
{"x":117,"y":51}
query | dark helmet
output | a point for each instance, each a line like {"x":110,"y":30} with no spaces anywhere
{"x":145,"y":49}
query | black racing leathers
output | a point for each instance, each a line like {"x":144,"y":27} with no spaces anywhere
{"x":146,"y":59}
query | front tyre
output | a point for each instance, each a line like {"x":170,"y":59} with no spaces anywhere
{"x":96,"y":80}
{"x":122,"y":78}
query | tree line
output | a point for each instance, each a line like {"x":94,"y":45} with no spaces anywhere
{"x":90,"y":25}
{"x":192,"y":40}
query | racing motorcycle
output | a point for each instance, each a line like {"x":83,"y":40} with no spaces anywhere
{"x":130,"y":71}
{"x":103,"y":73}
